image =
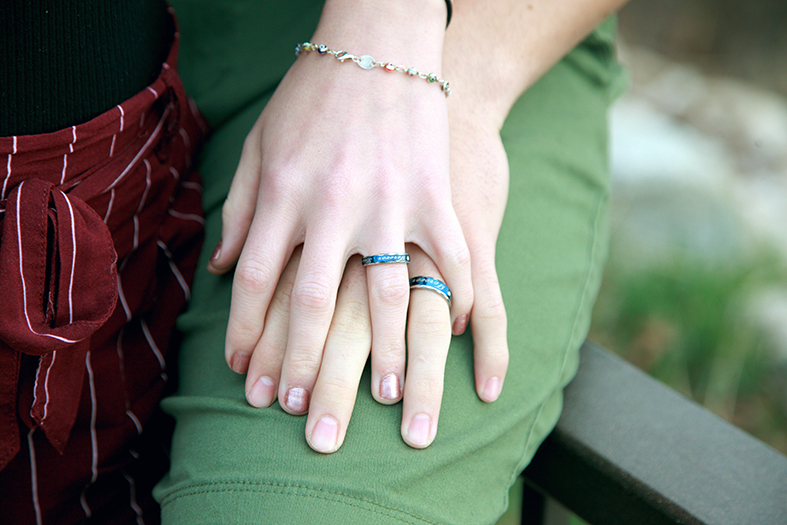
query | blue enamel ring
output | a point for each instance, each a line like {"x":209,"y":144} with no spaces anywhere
{"x":435,"y":285}
{"x":385,"y":258}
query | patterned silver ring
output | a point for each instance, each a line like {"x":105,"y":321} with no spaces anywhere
{"x":385,"y":258}
{"x":435,"y":285}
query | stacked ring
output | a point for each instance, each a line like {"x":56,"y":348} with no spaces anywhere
{"x":435,"y":285}
{"x":385,"y":258}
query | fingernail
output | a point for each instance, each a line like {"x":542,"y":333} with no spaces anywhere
{"x":390,"y":388}
{"x":216,"y":252}
{"x":239,"y":363}
{"x":492,"y":389}
{"x":325,"y":435}
{"x":460,"y":325}
{"x":261,"y":394}
{"x":419,"y":430}
{"x":297,"y":400}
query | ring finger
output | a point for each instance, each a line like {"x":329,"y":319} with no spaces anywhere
{"x":428,"y":339}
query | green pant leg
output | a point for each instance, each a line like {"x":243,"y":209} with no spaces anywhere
{"x":235,"y":464}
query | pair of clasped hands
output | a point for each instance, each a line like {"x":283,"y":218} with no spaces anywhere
{"x":345,"y":162}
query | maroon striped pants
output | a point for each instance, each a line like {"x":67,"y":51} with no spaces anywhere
{"x":100,"y":230}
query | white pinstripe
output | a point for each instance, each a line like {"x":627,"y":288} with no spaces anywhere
{"x":34,"y":476}
{"x":114,"y":136}
{"x":147,"y":187}
{"x":175,"y":270}
{"x":8,"y":170}
{"x":142,"y":150}
{"x":141,"y":205}
{"x":132,"y":488}
{"x":65,"y":156}
{"x":93,"y":412}
{"x":134,"y":419}
{"x":85,"y":506}
{"x":109,"y":206}
{"x":73,"y":261}
{"x":46,"y":385}
{"x":192,"y":186}
{"x":155,"y":93}
{"x":185,"y":137}
{"x":65,"y":164}
{"x":186,"y":216}
{"x":153,"y":345}
{"x":22,"y":271}
{"x":122,"y":297}
{"x":35,"y":385}
{"x":174,"y":173}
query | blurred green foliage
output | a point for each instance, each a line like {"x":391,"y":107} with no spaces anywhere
{"x":694,"y":327}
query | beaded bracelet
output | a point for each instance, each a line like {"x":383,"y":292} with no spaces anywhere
{"x":367,"y":62}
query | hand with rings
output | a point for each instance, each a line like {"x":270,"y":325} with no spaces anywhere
{"x":341,"y":179}
{"x":330,"y":396}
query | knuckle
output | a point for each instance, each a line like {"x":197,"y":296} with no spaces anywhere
{"x":241,"y":337}
{"x":312,"y":295}
{"x":337,"y":389}
{"x":253,"y":275}
{"x":491,"y":310}
{"x":391,"y":352}
{"x":391,"y":290}
{"x":303,"y":364}
{"x":460,"y":256}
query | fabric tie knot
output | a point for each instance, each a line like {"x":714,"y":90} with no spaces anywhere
{"x":58,"y":285}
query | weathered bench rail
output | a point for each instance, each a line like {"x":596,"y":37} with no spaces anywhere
{"x":629,"y":450}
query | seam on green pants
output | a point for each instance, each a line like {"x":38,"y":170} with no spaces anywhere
{"x":282,"y":488}
{"x":588,"y":278}
{"x":575,"y":326}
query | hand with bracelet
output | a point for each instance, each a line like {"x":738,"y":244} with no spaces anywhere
{"x":345,"y":161}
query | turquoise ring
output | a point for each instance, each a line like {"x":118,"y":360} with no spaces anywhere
{"x":385,"y":258}
{"x":435,"y":285}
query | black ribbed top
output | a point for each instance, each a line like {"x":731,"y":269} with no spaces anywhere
{"x":66,"y":61}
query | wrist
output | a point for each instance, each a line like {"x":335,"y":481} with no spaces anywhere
{"x":408,"y":32}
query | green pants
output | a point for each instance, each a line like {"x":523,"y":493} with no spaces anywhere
{"x":232,"y":463}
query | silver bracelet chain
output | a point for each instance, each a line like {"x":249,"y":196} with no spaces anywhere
{"x":367,"y":62}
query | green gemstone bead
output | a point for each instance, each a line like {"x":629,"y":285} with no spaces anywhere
{"x":432,"y":77}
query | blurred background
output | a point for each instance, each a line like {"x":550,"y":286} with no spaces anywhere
{"x":695,"y":290}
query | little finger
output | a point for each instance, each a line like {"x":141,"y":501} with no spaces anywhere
{"x":266,"y":361}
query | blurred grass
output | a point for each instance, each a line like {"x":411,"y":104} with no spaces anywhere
{"x":692,"y":326}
